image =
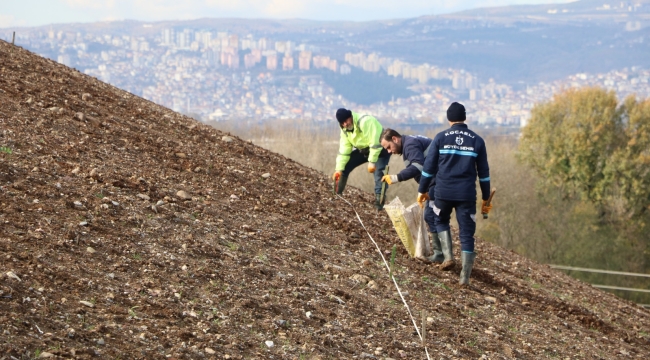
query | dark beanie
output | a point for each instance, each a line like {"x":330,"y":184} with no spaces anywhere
{"x":456,"y":112}
{"x":342,"y":115}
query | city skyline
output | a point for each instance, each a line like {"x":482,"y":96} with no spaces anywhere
{"x":259,"y":69}
{"x":221,"y":76}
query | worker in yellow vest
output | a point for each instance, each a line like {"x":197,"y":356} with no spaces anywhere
{"x":360,"y":144}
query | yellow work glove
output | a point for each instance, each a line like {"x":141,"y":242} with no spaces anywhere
{"x":422,"y":198}
{"x":371,"y":167}
{"x":337,"y":175}
{"x":389,"y":179}
{"x":485,"y":208}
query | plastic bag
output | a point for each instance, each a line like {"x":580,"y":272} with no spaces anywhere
{"x":410,"y":227}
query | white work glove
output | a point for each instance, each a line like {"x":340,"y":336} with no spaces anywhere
{"x":390,"y":179}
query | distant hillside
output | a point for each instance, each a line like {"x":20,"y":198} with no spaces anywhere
{"x":597,"y":10}
{"x":130,"y":231}
{"x":524,"y":44}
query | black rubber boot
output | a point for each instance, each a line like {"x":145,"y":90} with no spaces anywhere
{"x":378,"y":204}
{"x":447,"y":250}
{"x":341,"y":185}
{"x":467,"y":258}
{"x":437,"y":256}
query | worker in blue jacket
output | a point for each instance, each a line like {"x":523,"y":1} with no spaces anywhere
{"x":414,"y":150}
{"x":455,"y":159}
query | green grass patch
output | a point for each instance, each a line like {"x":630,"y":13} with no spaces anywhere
{"x":441,"y":285}
{"x":393,"y":254}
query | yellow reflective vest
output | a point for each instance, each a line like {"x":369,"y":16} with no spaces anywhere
{"x":365,"y":135}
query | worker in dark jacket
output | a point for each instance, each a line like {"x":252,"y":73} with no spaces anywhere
{"x":414,"y":150}
{"x":456,"y":157}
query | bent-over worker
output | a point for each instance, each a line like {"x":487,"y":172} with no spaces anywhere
{"x":414,"y":150}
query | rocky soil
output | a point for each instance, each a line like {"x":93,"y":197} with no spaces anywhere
{"x":129,"y":231}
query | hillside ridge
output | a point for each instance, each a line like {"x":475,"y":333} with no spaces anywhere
{"x":131,"y":231}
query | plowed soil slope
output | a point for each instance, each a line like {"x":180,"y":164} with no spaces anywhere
{"x":130,"y":231}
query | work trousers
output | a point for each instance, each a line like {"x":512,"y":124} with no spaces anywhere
{"x":465,"y":215}
{"x":359,"y":157}
{"x":430,"y":217}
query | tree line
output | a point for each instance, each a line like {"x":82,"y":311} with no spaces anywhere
{"x":590,"y":154}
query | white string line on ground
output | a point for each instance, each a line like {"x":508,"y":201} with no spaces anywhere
{"x":408,"y":309}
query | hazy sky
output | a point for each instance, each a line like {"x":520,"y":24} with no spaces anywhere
{"x":15,"y":13}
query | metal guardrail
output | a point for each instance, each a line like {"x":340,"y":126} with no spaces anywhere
{"x":620,"y":288}
{"x":562,"y":267}
{"x":623,"y":273}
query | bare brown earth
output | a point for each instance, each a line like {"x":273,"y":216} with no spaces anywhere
{"x":91,"y":211}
